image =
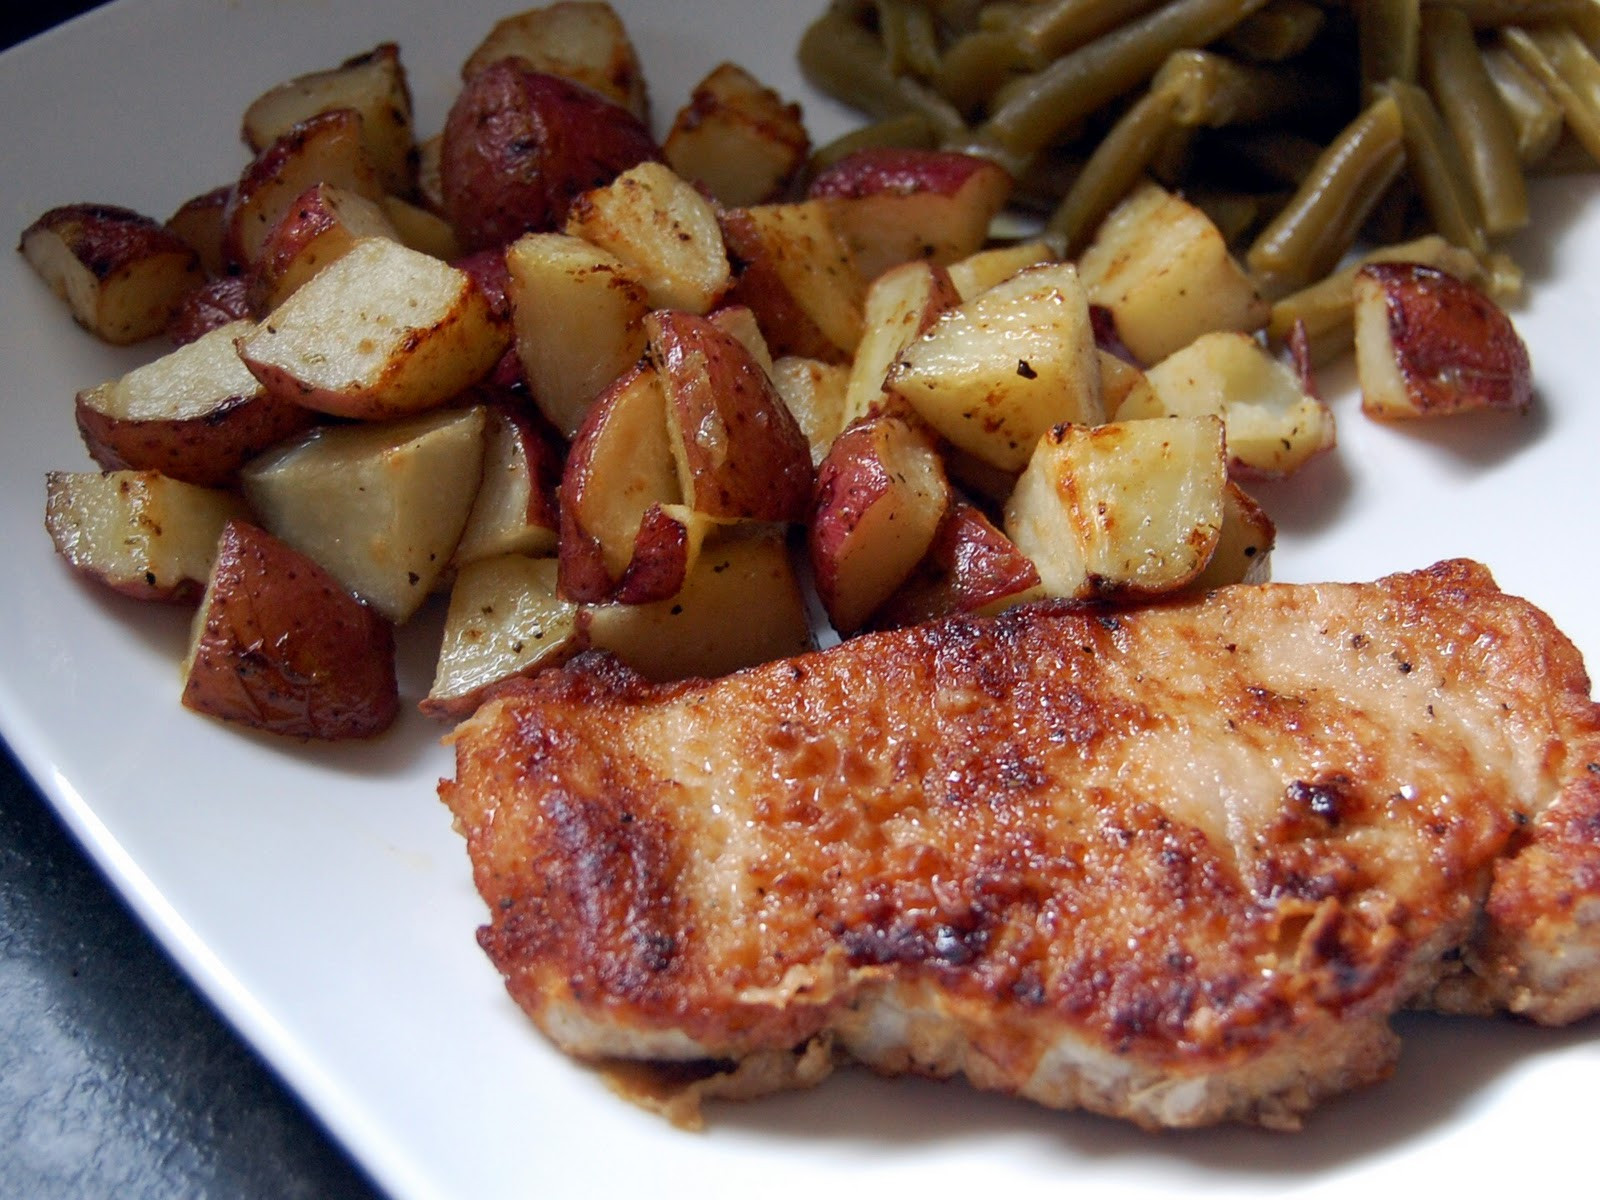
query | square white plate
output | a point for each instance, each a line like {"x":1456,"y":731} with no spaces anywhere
{"x":319,"y":895}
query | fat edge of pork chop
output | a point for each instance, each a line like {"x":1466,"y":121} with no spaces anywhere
{"x":1178,"y":864}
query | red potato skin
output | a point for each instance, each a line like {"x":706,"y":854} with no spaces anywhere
{"x":970,"y":564}
{"x":198,"y":221}
{"x":660,"y":561}
{"x":205,"y":450}
{"x":758,"y":466}
{"x":1455,"y":347}
{"x":877,"y":170}
{"x":283,"y":648}
{"x":519,"y":146}
{"x":215,"y":303}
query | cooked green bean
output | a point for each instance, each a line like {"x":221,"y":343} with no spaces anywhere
{"x":1320,"y":223}
{"x":1280,"y":31}
{"x":1437,"y":168}
{"x":1078,"y":83}
{"x":845,"y":60}
{"x":1217,"y":91}
{"x":1569,"y":72}
{"x":1491,"y":14}
{"x":909,"y":38}
{"x":1453,"y":71}
{"x":1387,"y":33}
{"x":1534,"y":113}
{"x":1115,"y":166}
{"x":1062,"y":25}
{"x":974,"y":66}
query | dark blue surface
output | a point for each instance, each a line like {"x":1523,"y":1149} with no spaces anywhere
{"x":116,"y":1076}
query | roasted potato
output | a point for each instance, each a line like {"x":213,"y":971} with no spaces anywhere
{"x":323,"y":223}
{"x":579,"y":40}
{"x":278,"y":645}
{"x":970,"y":567}
{"x":737,"y":138}
{"x":901,"y":304}
{"x":137,"y":532}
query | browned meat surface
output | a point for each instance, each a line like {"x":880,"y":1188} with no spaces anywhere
{"x":1178,"y":864}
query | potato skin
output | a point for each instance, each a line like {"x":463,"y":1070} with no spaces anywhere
{"x":519,"y":145}
{"x":280,"y":646}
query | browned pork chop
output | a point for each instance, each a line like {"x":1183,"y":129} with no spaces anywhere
{"x":1177,"y":864}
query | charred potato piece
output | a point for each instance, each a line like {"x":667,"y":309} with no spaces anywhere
{"x":970,"y":567}
{"x":579,"y":40}
{"x":737,"y":138}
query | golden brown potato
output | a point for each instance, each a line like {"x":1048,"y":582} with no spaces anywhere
{"x":815,"y":392}
{"x":515,"y":510}
{"x":506,"y":620}
{"x":278,"y":645}
{"x":215,"y":303}
{"x":323,"y":223}
{"x":137,"y":532}
{"x":122,"y":274}
{"x":1244,"y":544}
{"x":195,"y":414}
{"x":519,"y":145}
{"x":579,"y":40}
{"x":381,"y":332}
{"x":901,"y":304}
{"x":327,"y":148}
{"x":374,"y":86}
{"x":198,"y":221}
{"x":737,"y":138}
{"x":970,"y":567}
{"x":1429,"y":344}
{"x":894,"y":205}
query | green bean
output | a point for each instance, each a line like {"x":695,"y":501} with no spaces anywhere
{"x":974,"y":66}
{"x":1438,"y":169}
{"x":1387,"y":33}
{"x":1491,"y":14}
{"x":845,"y":60}
{"x":1325,"y":307}
{"x":1062,"y":25}
{"x":1217,"y":91}
{"x":909,"y":38}
{"x":1534,"y":113}
{"x":1453,"y":72}
{"x":1078,"y":83}
{"x":1280,"y":31}
{"x":1568,"y":71}
{"x":1115,"y":166}
{"x":1318,"y":225}
{"x":1275,"y":157}
{"x":1234,"y":213}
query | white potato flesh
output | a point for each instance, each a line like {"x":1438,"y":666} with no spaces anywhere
{"x":190,"y":381}
{"x":141,"y":533}
{"x":740,"y":322}
{"x":901,"y":304}
{"x":1163,"y":269}
{"x":814,"y":391}
{"x":578,"y":313}
{"x":737,"y":137}
{"x":692,"y":635}
{"x":1128,"y":509}
{"x":380,"y":506}
{"x":1244,"y":546}
{"x":505,"y":620}
{"x":815,"y":265}
{"x":581,"y":40}
{"x":511,"y":514}
{"x":383,"y":331}
{"x":662,"y":227}
{"x":1273,"y":426}
{"x":982,"y":270}
{"x":995,"y":373}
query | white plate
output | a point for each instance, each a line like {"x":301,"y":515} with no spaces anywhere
{"x":322,"y":900}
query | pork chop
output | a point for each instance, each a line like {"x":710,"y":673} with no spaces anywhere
{"x":1178,"y":864}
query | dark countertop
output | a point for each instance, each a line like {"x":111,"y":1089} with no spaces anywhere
{"x":117,"y":1078}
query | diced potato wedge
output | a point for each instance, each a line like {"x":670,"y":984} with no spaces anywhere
{"x":580,"y":40}
{"x":381,"y":506}
{"x":881,"y":495}
{"x":691,"y":635}
{"x":1274,"y":427}
{"x":579,"y":314}
{"x":420,"y":228}
{"x":902,"y":303}
{"x":797,"y":276}
{"x":506,"y":620}
{"x":381,"y":332}
{"x":198,"y":221}
{"x":970,"y":567}
{"x":738,"y":138}
{"x":814,"y":391}
{"x":1126,"y":510}
{"x":740,"y":323}
{"x":1163,"y":269}
{"x":278,"y":645}
{"x":374,"y":86}
{"x":983,"y":269}
{"x":122,"y":274}
{"x":664,"y":229}
{"x":322,"y":224}
{"x":515,"y":508}
{"x":195,"y":414}
{"x":1244,"y":547}
{"x":138,"y":532}
{"x":993,"y":374}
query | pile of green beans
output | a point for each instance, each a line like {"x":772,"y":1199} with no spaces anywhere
{"x":1305,"y":127}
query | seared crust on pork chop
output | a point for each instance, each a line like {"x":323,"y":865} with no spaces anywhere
{"x":1178,"y":864}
